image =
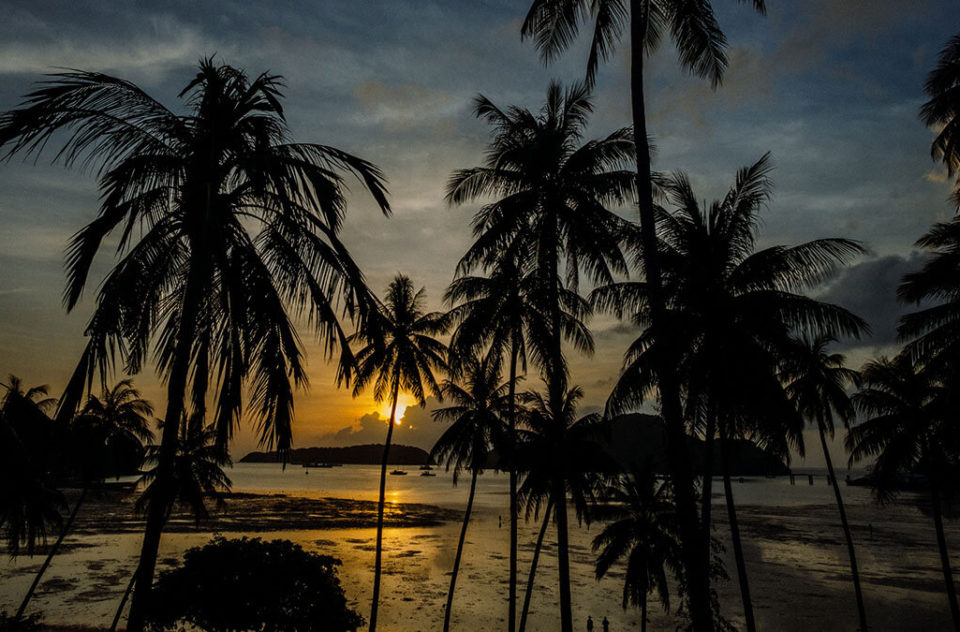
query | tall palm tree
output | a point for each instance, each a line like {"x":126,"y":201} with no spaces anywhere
{"x":223,"y":226}
{"x":701,"y":46}
{"x":106,"y":428}
{"x":641,"y":528}
{"x":732,"y":310}
{"x":400,"y":352}
{"x":550,"y":212}
{"x":559,"y":456}
{"x":910,"y":429}
{"x":817,"y":383}
{"x":942,"y":111}
{"x":30,"y":503}
{"x":481,"y":404}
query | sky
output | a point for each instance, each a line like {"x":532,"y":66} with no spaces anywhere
{"x":832,"y":89}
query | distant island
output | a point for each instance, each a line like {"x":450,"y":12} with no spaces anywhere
{"x":368,"y":454}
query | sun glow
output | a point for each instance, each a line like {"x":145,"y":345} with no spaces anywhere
{"x":403,"y":402}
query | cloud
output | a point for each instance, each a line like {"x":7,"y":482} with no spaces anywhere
{"x":417,"y":428}
{"x":869,"y":289}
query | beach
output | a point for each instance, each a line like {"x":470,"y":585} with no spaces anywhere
{"x":795,"y":554}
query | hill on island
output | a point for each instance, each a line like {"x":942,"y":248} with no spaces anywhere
{"x":369,"y":454}
{"x":629,"y":439}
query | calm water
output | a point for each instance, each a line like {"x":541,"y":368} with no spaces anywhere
{"x":794,"y":553}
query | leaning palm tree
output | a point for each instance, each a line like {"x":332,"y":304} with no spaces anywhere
{"x":701,"y":45}
{"x":817,"y":383}
{"x":30,"y":503}
{"x":732,"y":310}
{"x":559,"y":456}
{"x":911,"y":430}
{"x":942,"y":111}
{"x":550,"y":214}
{"x":642,"y":530}
{"x":480,"y":404}
{"x":223,"y":226}
{"x":109,"y":426}
{"x":399,"y":353}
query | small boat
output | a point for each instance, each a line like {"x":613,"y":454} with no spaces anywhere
{"x":426,"y":467}
{"x":398,"y":473}
{"x":316,"y":465}
{"x":427,"y":473}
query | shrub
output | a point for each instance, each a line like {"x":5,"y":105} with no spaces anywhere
{"x":249,"y":584}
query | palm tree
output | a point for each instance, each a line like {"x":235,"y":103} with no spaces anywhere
{"x":480,"y":406}
{"x":30,"y":503}
{"x":910,"y":429}
{"x":817,"y":384}
{"x":941,"y":111}
{"x":400,"y":352}
{"x":559,"y":456}
{"x":224,"y":226}
{"x":641,"y":528}
{"x":105,"y":428}
{"x":550,"y":211}
{"x":701,"y":45}
{"x":933,"y":333}
{"x":732,"y":312}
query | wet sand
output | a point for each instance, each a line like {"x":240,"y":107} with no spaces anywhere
{"x":796,"y":560}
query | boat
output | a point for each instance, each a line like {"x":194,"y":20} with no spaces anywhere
{"x":398,"y":473}
{"x":426,"y":467}
{"x":317,"y":464}
{"x":427,"y":473}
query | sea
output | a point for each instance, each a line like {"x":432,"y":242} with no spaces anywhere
{"x":796,"y":557}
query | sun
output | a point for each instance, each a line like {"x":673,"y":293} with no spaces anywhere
{"x":403,"y":402}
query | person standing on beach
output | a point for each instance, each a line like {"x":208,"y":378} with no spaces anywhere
{"x":606,"y":625}
{"x":589,"y":624}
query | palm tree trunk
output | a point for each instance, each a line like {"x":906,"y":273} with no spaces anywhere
{"x":53,"y":551}
{"x":563,"y":557}
{"x":735,"y":536}
{"x":944,"y":557}
{"x":380,"y":504}
{"x":533,"y":567}
{"x":643,"y":613}
{"x":157,"y":512}
{"x":456,"y":560}
{"x":706,"y":493}
{"x":512,"y":605}
{"x":854,"y":570}
{"x":123,"y":600}
{"x":675,"y":438}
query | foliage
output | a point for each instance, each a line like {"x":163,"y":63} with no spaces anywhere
{"x":249,"y":584}
{"x":942,"y":111}
{"x":29,"y":623}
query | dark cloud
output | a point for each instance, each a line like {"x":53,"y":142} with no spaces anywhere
{"x":869,"y":290}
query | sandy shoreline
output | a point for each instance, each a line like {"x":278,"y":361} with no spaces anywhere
{"x":795,"y":557}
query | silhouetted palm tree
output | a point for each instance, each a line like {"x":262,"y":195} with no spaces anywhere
{"x":106,"y":428}
{"x":537,"y":547}
{"x":933,"y":333}
{"x":554,"y":24}
{"x":732,"y":312}
{"x":481,"y":404}
{"x":550,"y":212}
{"x":224,"y":224}
{"x":942,"y":111}
{"x":817,"y":384}
{"x":559,"y":456}
{"x":30,"y":503}
{"x":400,"y":353}
{"x":642,"y":530}
{"x":911,"y":430}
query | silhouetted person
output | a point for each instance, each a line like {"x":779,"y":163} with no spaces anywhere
{"x":606,"y":625}
{"x":589,"y":624}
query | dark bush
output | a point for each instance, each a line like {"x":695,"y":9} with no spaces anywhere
{"x":249,"y":584}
